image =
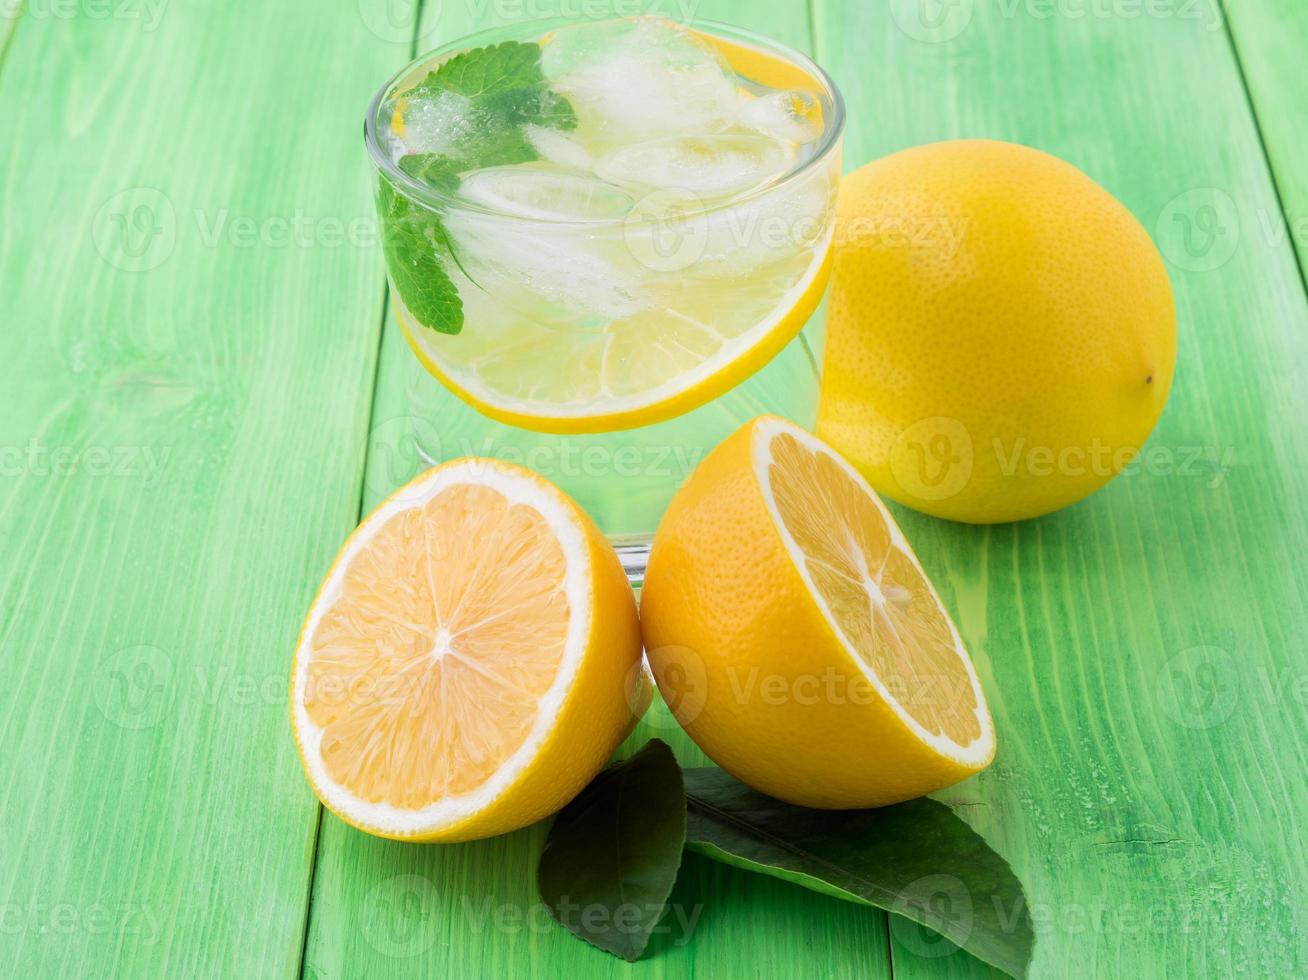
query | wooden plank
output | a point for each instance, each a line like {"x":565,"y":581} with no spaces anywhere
{"x":386,"y":909}
{"x":1270,"y":37}
{"x":1142,"y":648}
{"x":187,"y":353}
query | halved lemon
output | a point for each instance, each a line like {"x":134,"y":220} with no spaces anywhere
{"x":471,"y":660}
{"x":796,"y":637}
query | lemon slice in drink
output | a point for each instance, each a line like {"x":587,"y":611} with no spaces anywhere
{"x":689,"y":338}
{"x":471,"y":660}
{"x":796,"y":637}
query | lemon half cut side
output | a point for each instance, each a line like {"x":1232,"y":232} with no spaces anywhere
{"x":471,"y":660}
{"x":796,"y":636}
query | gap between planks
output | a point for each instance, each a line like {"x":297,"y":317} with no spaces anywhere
{"x":363,"y":480}
{"x":1265,"y":150}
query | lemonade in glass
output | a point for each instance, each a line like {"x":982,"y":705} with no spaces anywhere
{"x":605,"y":242}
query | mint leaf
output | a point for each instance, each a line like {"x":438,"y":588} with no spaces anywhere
{"x":433,"y":169}
{"x":492,"y":147}
{"x":412,"y":241}
{"x":554,"y":111}
{"x":613,"y":853}
{"x":505,"y":84}
{"x":916,"y":859}
{"x":505,"y":79}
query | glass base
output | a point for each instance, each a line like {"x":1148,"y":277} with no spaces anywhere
{"x":633,"y":552}
{"x":623,"y":479}
{"x":632,"y":549}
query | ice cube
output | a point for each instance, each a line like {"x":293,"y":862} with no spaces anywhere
{"x":557,"y":148}
{"x":557,"y":272}
{"x":639,"y":78}
{"x":735,"y":240}
{"x":782,"y":115}
{"x":791,"y":218}
{"x":704,"y":167}
{"x":437,"y":123}
{"x":545,"y":192}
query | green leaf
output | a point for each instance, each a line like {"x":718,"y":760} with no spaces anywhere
{"x":916,"y":859}
{"x":432,"y":169}
{"x":613,"y":853}
{"x":508,"y":88}
{"x":413,"y":242}
{"x":496,"y":147}
{"x":553,"y":111}
{"x":504,"y":79}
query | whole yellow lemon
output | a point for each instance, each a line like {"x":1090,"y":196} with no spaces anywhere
{"x":1001,"y":332}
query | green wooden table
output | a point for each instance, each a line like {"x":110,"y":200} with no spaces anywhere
{"x":201,"y":390}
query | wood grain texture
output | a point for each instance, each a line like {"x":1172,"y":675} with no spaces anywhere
{"x":1141,"y":649}
{"x":386,"y":909}
{"x":1269,"y":41}
{"x":187,"y":355}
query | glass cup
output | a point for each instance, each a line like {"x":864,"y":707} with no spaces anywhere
{"x":610,"y":343}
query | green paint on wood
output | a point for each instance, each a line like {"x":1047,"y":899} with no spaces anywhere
{"x":1269,"y":37}
{"x":385,"y":909}
{"x":187,"y":355}
{"x":188,"y":370}
{"x":1140,"y":648}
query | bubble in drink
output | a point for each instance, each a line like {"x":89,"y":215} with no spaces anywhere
{"x":438,"y":124}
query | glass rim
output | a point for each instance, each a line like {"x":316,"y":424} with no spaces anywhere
{"x":415,"y":189}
